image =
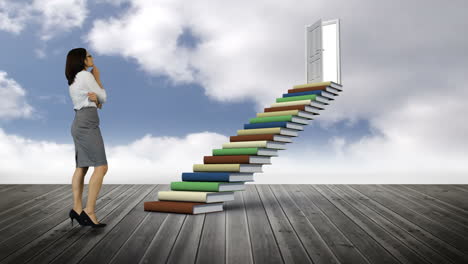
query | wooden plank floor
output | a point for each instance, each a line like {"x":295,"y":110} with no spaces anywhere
{"x":274,"y":223}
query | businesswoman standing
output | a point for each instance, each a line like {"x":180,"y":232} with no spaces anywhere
{"x":87,"y":94}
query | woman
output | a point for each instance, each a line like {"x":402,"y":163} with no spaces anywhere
{"x":87,"y":94}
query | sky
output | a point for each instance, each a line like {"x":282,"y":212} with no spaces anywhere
{"x":183,"y":78}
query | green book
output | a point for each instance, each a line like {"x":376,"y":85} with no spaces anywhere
{"x":296,"y":98}
{"x":207,"y":186}
{"x":235,"y":151}
{"x":271,"y":119}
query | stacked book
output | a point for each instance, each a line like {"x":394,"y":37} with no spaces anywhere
{"x":210,"y":184}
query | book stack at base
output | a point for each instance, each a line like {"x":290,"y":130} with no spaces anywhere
{"x":228,"y":169}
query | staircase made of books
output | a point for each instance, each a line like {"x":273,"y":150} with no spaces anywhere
{"x":210,"y":184}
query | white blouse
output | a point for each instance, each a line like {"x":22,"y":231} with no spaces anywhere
{"x":84,"y":83}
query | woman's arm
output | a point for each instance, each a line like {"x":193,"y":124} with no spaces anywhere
{"x":96,"y":88}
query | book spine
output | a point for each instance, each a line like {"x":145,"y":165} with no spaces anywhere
{"x":245,"y":144}
{"x":236,"y":151}
{"x":307,"y":89}
{"x":195,"y":186}
{"x":302,"y":93}
{"x":299,"y":102}
{"x":257,"y":131}
{"x":215,"y":177}
{"x":268,"y":137}
{"x":265,"y":125}
{"x":207,"y":176}
{"x":307,"y":85}
{"x":217,"y":167}
{"x":236,"y":159}
{"x":279,"y":113}
{"x":283,"y":108}
{"x":182,"y":196}
{"x":296,"y":98}
{"x":268,"y":119}
{"x":170,"y":207}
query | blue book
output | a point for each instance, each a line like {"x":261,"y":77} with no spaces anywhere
{"x":302,"y":93}
{"x":284,"y":124}
{"x":217,"y":176}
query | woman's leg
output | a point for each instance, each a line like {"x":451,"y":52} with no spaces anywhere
{"x":94,"y":187}
{"x":77,"y":187}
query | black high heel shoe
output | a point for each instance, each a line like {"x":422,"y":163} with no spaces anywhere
{"x":87,"y":221}
{"x":74,"y":215}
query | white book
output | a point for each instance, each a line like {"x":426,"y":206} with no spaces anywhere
{"x":305,"y":114}
{"x":300,"y":120}
{"x":322,"y":99}
{"x":296,"y":126}
{"x":267,"y":152}
{"x":207,"y":208}
{"x":196,"y":196}
{"x":274,"y":130}
{"x":282,"y":138}
{"x":259,"y":160}
{"x":328,"y":95}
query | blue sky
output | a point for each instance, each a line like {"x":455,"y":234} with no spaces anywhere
{"x":171,"y":71}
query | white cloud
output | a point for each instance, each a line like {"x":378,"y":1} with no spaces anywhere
{"x":58,"y":16}
{"x":13,"y":16}
{"x":53,"y":16}
{"x":13,"y":102}
{"x":146,"y":160}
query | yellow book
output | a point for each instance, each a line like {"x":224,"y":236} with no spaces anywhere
{"x":227,"y":167}
{"x":311,"y":85}
{"x":278,"y":113}
{"x":272,"y":130}
{"x":299,"y":102}
{"x":195,"y":196}
{"x":246,"y":144}
{"x":259,"y":131}
{"x":255,"y":144}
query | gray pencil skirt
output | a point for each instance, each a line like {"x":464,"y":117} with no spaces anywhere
{"x":89,"y":146}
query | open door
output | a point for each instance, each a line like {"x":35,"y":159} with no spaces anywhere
{"x":323,"y":62}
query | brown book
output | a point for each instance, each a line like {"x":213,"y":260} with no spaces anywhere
{"x":182,"y":207}
{"x":229,"y":159}
{"x":307,"y":89}
{"x":284,"y":108}
{"x":236,"y":159}
{"x":252,"y":137}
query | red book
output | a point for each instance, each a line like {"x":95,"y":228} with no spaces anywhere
{"x":228,"y":159}
{"x":182,"y":207}
{"x":307,"y":89}
{"x":284,"y":108}
{"x":252,"y":137}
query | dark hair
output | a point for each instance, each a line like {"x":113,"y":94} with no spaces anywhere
{"x":75,"y":63}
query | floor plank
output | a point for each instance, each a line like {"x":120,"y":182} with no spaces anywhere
{"x":444,"y":193}
{"x":264,"y":246}
{"x":373,"y":250}
{"x":26,"y":208}
{"x":238,"y":244}
{"x":36,"y":238}
{"x":289,"y":243}
{"x":313,"y":243}
{"x":430,"y":225}
{"x":344,"y":250}
{"x":429,"y":239}
{"x":277,"y":223}
{"x":111,"y":243}
{"x":401,"y":236}
{"x":453,"y":221}
{"x":22,"y":193}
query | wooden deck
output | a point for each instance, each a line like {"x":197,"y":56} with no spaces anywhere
{"x":265,"y":224}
